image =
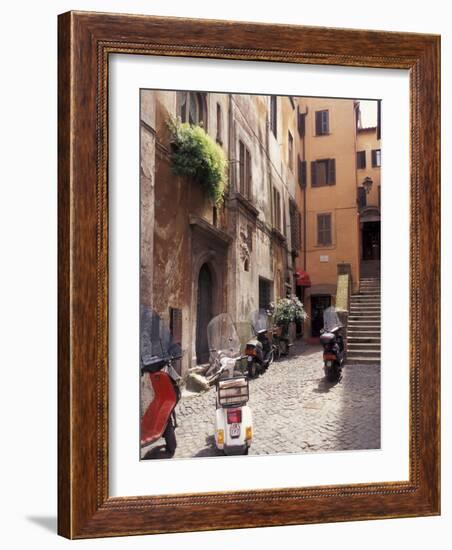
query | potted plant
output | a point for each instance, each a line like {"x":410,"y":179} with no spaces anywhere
{"x":286,"y":311}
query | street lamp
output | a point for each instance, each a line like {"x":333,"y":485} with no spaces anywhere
{"x":367,"y":184}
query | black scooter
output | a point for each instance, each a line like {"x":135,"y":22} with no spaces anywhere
{"x":259,"y":351}
{"x":333,"y":345}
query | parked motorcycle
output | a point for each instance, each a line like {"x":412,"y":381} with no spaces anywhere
{"x":333,"y":345}
{"x":281,"y":340}
{"x":260,"y":351}
{"x":233,"y":418}
{"x":157,"y":362}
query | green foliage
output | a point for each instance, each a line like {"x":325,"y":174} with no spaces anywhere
{"x":287,"y":310}
{"x":195,"y":154}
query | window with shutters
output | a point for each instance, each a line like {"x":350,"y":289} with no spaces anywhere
{"x":376,"y":158}
{"x":192,"y":108}
{"x":323,"y":172}
{"x":290,"y":150}
{"x":361,"y":159}
{"x":244,"y":171}
{"x":322,"y":123}
{"x":274,"y":115}
{"x":324,"y":229}
{"x":276,"y":209}
{"x":301,"y":172}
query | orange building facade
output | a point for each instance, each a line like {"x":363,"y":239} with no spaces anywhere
{"x":339,"y":200}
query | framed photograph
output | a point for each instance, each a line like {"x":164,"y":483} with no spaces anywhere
{"x":248,"y":275}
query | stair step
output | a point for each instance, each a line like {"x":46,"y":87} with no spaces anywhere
{"x":371,"y":354}
{"x":361,"y":360}
{"x":363,"y":348}
{"x":365,"y":307}
{"x":362,"y":334}
{"x":363,"y":316}
{"x":363,"y":339}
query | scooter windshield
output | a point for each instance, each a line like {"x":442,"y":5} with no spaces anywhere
{"x":260,"y":320}
{"x":222,"y":336}
{"x":156,"y":340}
{"x":330,"y":319}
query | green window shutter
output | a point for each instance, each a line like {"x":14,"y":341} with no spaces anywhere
{"x":313,"y":173}
{"x":331,"y":171}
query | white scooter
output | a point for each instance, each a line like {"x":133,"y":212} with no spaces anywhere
{"x":233,"y":418}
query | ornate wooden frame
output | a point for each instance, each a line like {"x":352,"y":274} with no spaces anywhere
{"x":85,"y":42}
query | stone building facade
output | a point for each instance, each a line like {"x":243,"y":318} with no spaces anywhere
{"x":198,"y":260}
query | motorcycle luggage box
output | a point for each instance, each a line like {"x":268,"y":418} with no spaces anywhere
{"x":233,"y":391}
{"x":327,"y":338}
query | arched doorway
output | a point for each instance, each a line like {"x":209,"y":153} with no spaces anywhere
{"x":204,"y":313}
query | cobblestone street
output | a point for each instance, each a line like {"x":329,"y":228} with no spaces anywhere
{"x":294,"y":410}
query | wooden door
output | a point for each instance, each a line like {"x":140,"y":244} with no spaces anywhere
{"x":204,"y":313}
{"x":318,"y":306}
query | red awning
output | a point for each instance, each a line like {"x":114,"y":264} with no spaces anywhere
{"x":302,"y":278}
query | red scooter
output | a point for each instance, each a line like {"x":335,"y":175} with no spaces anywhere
{"x":159,"y":419}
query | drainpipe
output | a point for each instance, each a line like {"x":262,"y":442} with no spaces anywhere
{"x":303,"y":143}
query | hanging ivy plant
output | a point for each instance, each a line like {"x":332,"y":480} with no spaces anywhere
{"x":195,"y":154}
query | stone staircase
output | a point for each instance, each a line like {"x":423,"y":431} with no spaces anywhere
{"x":364,"y":330}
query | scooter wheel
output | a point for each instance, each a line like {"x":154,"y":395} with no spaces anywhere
{"x":284,"y":348}
{"x":252,"y":371}
{"x":170,"y":438}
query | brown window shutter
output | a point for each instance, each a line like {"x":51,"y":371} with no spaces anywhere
{"x":331,"y":171}
{"x":361,"y":159}
{"x":326,"y":122}
{"x":328,"y":229}
{"x":301,"y":124}
{"x":313,"y":173}
{"x":374,"y":157}
{"x":318,"y":122}
{"x":303,"y":173}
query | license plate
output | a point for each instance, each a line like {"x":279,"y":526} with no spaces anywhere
{"x":234,"y":430}
{"x":329,"y":363}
